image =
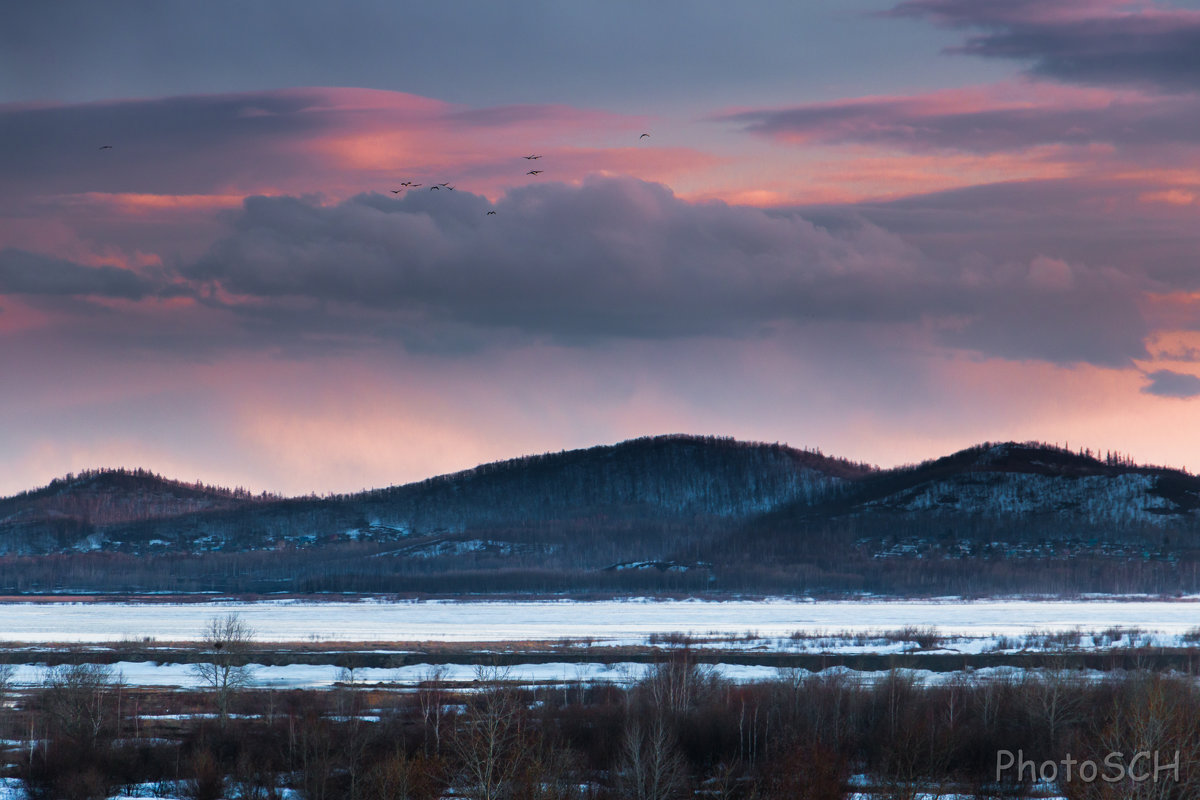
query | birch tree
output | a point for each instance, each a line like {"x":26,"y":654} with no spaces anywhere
{"x":223,"y":670}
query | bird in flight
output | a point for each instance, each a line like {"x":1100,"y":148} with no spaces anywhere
{"x":530,"y":158}
{"x":407,"y":183}
{"x":397,"y":191}
{"x":491,"y":213}
{"x":644,"y":136}
{"x":106,"y":147}
{"x":416,"y":186}
{"x":535,"y":172}
{"x":448,"y":186}
{"x":431,"y":188}
{"x":443,"y":184}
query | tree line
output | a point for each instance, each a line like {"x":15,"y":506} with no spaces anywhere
{"x":681,"y":731}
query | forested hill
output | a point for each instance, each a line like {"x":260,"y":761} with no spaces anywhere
{"x":642,"y":482}
{"x":992,"y":518}
{"x":679,"y":512}
{"x":77,"y":506}
{"x":664,"y":475}
{"x":1030,"y":482}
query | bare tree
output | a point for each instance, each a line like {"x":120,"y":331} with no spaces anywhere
{"x":79,"y":710}
{"x":1153,"y":714}
{"x":909,"y":745}
{"x":74,"y":696}
{"x":678,"y":683}
{"x":431,"y":695}
{"x":222,"y":646}
{"x":1053,"y":702}
{"x":552,"y":774}
{"x":398,"y":777}
{"x":651,"y":767}
{"x":489,"y":741}
{"x":7,"y":673}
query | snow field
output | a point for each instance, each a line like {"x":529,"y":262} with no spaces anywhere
{"x":603,"y":622}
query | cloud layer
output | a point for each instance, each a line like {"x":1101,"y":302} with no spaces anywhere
{"x":23,"y":273}
{"x":944,"y":250}
{"x":333,"y":141}
{"x":1096,"y":42}
{"x":987,"y":121}
{"x":628,"y":259}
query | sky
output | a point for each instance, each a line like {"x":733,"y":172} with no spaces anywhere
{"x":888,"y":230}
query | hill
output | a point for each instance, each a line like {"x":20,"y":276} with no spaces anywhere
{"x":1008,"y":516}
{"x":632,"y":485}
{"x":70,"y":510}
{"x":661,"y":513}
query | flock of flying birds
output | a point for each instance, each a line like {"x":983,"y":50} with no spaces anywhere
{"x":437,"y":187}
{"x":405,"y":185}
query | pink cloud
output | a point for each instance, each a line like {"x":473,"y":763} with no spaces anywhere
{"x":177,"y":163}
{"x":891,"y":146}
{"x":1174,"y":197}
{"x":1006,"y":117}
{"x":327,"y":140}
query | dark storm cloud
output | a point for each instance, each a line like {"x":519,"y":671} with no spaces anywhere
{"x":612,"y":258}
{"x":620,"y":258}
{"x":911,"y":124}
{"x":32,"y":274}
{"x":1166,"y":383}
{"x":1093,"y":42}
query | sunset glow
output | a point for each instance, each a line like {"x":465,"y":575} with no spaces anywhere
{"x":226,"y":271}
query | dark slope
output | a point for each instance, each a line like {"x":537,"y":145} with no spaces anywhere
{"x":674,"y":476}
{"x":636,"y":486}
{"x":71,"y":509}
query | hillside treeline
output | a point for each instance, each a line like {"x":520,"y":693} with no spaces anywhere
{"x":352,"y":569}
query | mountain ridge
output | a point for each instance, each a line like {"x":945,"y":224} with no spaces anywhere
{"x":698,"y":509}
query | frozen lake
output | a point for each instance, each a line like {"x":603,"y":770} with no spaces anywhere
{"x":606,"y":621}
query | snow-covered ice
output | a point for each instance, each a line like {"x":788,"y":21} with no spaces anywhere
{"x":613,"y":621}
{"x":322,"y":676}
{"x":315,"y":676}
